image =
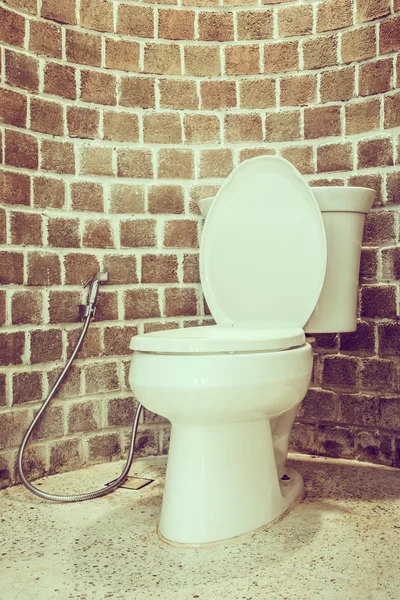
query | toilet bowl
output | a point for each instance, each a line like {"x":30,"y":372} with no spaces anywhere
{"x":232,"y":390}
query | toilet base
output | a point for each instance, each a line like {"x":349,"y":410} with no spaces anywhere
{"x":222,"y":482}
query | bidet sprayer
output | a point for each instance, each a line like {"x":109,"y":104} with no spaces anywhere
{"x":93,"y":283}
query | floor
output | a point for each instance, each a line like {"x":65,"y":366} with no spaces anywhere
{"x":342,"y":542}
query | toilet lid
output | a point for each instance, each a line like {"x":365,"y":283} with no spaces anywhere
{"x":263,"y":248}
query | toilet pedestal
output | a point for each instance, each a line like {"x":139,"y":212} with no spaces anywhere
{"x":222,"y":482}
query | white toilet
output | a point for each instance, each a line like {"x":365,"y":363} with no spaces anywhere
{"x":232,"y":390}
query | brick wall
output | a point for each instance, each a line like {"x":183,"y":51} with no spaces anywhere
{"x":116,"y":117}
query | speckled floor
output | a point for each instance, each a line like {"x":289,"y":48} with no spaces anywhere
{"x":341,"y":542}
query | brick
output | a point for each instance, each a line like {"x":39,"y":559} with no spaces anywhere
{"x":162,"y":128}
{"x":122,"y":55}
{"x":3,"y":227}
{"x":370,"y":181}
{"x":302,"y":157}
{"x":181,"y":234}
{"x":320,"y":52}
{"x":242,"y":60}
{"x":116,"y":340}
{"x":318,"y":405}
{"x":245,"y":127}
{"x":46,"y":346}
{"x":321,"y":122}
{"x":83,"y":48}
{"x":79,"y":268}
{"x":99,"y":88}
{"x":137,"y":92}
{"x":13,"y":108}
{"x":12,"y":28}
{"x":44,"y":269}
{"x":121,"y":127}
{"x":180,"y":302}
{"x":325,"y":341}
{"x":83,"y":417}
{"x":22,"y":71}
{"x":393,"y":188}
{"x":122,"y":269}
{"x":378,"y":301}
{"x":65,"y":455}
{"x":334,"y":14}
{"x":202,"y":61}
{"x":163,"y":59}
{"x":215,"y":26}
{"x":368,"y":11}
{"x":45,"y":38}
{"x":3,"y":319}
{"x":377,"y":374}
{"x":98,"y":234}
{"x":12,"y":428}
{"x":178,"y":94}
{"x":375,"y":153}
{"x":164,"y":199}
{"x":191,"y":268}
{"x":368,"y":264}
{"x":50,"y":425}
{"x":358,"y":44}
{"x":334,"y":157}
{"x":21,"y":150}
{"x":135,"y":163}
{"x":96,"y":14}
{"x":336,"y":441}
{"x":26,"y":307}
{"x":11,"y":348}
{"x":379,"y":228}
{"x":281,"y":57}
{"x":59,"y":80}
{"x":58,"y":157}
{"x":217,"y":94}
{"x":64,"y":12}
{"x":141,"y":304}
{"x":298,"y":90}
{"x":29,"y":6}
{"x":362,"y":116}
{"x":15,"y":188}
{"x":96,"y":160}
{"x":48,"y":193}
{"x":159,"y":268}
{"x":162,"y":326}
{"x":63,"y":307}
{"x":82,"y":122}
{"x":375,"y":77}
{"x":358,"y":409}
{"x":26,"y":229}
{"x":11,"y":267}
{"x":136,"y":20}
{"x":389,"y":412}
{"x":283,"y":126}
{"x":63,"y":232}
{"x":303,"y":439}
{"x":46,"y":117}
{"x":255,"y":24}
{"x":295,"y":20}
{"x":27,"y":387}
{"x":389,"y":35}
{"x":175,"y":164}
{"x":177,"y":24}
{"x":138,"y":233}
{"x":201,"y":128}
{"x":71,"y":385}
{"x":362,"y":340}
{"x":91,"y":346}
{"x":107,"y":306}
{"x":216,"y":163}
{"x":340,"y":371}
{"x":127,"y":199}
{"x":388,"y":338}
{"x":120,"y":411}
{"x":258,"y":93}
{"x":392,"y":111}
{"x":104,"y":447}
{"x":337,"y":85}
{"x":87,"y":196}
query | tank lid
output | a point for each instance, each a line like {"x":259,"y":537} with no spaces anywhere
{"x":344,"y":199}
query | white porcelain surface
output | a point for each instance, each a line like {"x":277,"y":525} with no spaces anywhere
{"x":343,"y":211}
{"x":222,"y":478}
{"x":263,"y":248}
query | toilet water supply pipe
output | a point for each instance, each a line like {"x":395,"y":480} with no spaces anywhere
{"x":86,"y":312}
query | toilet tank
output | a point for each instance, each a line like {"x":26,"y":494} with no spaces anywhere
{"x":343,"y":212}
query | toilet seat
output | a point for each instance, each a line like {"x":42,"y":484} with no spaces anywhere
{"x":215,"y":339}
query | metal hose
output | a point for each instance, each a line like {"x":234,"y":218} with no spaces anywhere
{"x":112,"y":485}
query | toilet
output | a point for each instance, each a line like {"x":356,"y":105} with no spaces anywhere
{"x":278,"y":259}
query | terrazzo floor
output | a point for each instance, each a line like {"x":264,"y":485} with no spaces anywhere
{"x":341,"y":542}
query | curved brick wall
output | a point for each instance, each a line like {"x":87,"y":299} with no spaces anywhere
{"x":116,"y":117}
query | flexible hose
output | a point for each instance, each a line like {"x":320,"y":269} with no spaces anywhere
{"x":112,"y":485}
